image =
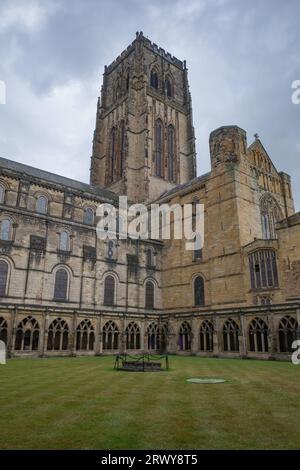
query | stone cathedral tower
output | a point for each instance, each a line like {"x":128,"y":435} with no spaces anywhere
{"x":144,"y":138}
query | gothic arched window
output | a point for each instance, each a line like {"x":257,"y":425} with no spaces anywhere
{"x":263,"y":269}
{"x":158,"y":147}
{"x":169,"y":88}
{"x":199,"y":291}
{"x":122,"y":149}
{"x":2,"y":193}
{"x":3,"y":330}
{"x":3,"y":277}
{"x":258,"y":335}
{"x":231,"y":336}
{"x":154,"y":79}
{"x":149,"y":295}
{"x":153,"y":337}
{"x":270,"y":214}
{"x":110,"y":335}
{"x":58,"y":335}
{"x":64,"y":241}
{"x":185,"y":338}
{"x":287,"y":333}
{"x":85,"y":336}
{"x":206,"y":336}
{"x":27,"y":335}
{"x":109,"y":290}
{"x":5,"y":230}
{"x":41,"y":204}
{"x":112,"y":155}
{"x":171,"y":154}
{"x":61,"y":284}
{"x":88,"y":216}
{"x":133,"y":336}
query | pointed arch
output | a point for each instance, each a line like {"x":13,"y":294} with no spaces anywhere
{"x":206,"y":336}
{"x":258,"y":335}
{"x":270,"y":215}
{"x":133,"y":336}
{"x":287,"y":333}
{"x":27,"y":335}
{"x":231,"y":336}
{"x":58,"y":335}
{"x":185,"y":336}
{"x":4,"y":270}
{"x":110,"y":336}
{"x":85,"y":336}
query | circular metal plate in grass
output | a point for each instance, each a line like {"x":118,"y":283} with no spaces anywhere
{"x":206,"y":381}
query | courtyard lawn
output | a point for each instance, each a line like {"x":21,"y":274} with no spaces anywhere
{"x":82,"y":403}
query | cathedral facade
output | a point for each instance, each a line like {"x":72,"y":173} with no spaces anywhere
{"x":65,"y":292}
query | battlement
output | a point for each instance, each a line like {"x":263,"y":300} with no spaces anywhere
{"x":150,"y":45}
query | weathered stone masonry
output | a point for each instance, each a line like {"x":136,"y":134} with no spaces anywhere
{"x":65,"y":292}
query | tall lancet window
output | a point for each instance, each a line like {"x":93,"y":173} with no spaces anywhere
{"x":270,"y":214}
{"x":122,"y":149}
{"x":171,"y":153}
{"x":112,"y":154}
{"x":158,"y":147}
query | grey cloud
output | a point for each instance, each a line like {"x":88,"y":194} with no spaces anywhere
{"x":242,"y":59}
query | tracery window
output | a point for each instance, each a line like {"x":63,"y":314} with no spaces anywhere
{"x":263,"y":269}
{"x":110,"y":335}
{"x":270,"y":214}
{"x":85,"y":336}
{"x":287,"y":333}
{"x":58,"y":335}
{"x":231,"y":336}
{"x":206,"y":336}
{"x":133,"y":336}
{"x":185,"y":337}
{"x":258,"y":335}
{"x":27,"y":335}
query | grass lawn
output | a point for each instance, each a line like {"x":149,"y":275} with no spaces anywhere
{"x":82,"y":403}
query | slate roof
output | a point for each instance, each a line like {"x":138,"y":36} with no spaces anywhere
{"x":47,"y":177}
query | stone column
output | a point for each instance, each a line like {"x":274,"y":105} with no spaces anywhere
{"x":195,"y":337}
{"x":98,"y":336}
{"x":242,"y":337}
{"x":142,"y":336}
{"x":46,"y":327}
{"x":72,"y":334}
{"x":13,"y":331}
{"x":216,"y":336}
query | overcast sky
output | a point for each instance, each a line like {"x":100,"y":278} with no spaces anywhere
{"x":242,"y":59}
